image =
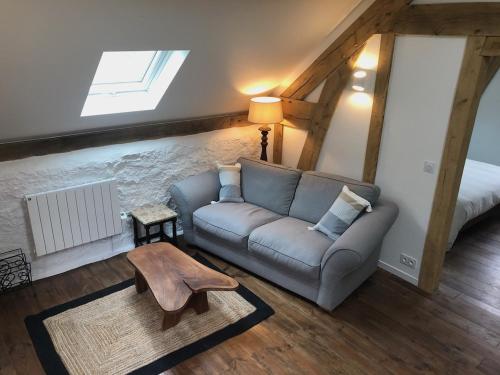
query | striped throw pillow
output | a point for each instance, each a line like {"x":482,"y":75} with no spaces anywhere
{"x":346,"y":208}
{"x":229,"y":176}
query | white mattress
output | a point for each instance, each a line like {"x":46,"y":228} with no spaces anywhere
{"x":479,"y":192}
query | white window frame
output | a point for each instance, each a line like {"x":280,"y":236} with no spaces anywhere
{"x":144,"y":95}
{"x":114,"y":88}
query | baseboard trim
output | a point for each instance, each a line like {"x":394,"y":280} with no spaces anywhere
{"x":405,"y":276}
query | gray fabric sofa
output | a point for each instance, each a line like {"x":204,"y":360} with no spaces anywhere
{"x":268,"y":234}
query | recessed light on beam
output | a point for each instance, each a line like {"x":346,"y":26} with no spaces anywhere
{"x":358,"y":88}
{"x":359,"y":74}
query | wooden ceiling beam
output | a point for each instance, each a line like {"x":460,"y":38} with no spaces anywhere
{"x":378,"y":18}
{"x":66,"y":143}
{"x":298,"y":113}
{"x":322,"y":115}
{"x":491,"y":46}
{"x":298,"y":108}
{"x":464,"y":19}
{"x":378,"y":109}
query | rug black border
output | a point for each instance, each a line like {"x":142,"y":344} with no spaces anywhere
{"x":52,"y":363}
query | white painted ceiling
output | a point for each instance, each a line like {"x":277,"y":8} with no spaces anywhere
{"x":49,"y":51}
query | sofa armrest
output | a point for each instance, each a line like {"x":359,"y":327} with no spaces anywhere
{"x":359,"y":241}
{"x":195,"y":192}
{"x":354,"y":256}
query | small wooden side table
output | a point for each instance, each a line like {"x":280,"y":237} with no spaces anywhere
{"x":150,"y":215}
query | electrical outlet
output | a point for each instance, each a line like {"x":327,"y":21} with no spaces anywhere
{"x":408,"y":261}
{"x":429,"y":167}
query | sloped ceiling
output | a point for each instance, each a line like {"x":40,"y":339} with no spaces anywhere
{"x":49,"y":50}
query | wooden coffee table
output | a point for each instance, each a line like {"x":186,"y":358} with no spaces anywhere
{"x":177,"y":281}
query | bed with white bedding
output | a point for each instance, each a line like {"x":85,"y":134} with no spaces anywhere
{"x":479,"y":192}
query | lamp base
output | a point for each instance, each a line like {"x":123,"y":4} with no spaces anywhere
{"x":264,"y":130}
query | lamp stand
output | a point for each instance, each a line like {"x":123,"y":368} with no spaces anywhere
{"x":264,"y":130}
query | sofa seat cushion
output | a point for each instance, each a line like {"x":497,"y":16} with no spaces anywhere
{"x":232,"y":222}
{"x":288,"y":244}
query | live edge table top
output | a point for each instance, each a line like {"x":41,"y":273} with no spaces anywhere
{"x":174,"y":276}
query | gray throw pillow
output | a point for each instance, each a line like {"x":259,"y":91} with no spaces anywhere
{"x":230,"y":176}
{"x":346,"y":208}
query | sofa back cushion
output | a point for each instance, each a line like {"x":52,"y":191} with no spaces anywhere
{"x":317,"y":191}
{"x":268,"y":185}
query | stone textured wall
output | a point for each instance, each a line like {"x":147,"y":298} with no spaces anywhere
{"x":143,"y":170}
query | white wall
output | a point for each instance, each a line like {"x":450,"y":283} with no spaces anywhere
{"x":344,"y":147}
{"x":484,"y":145}
{"x":50,"y":50}
{"x":144,"y":172}
{"x":421,"y":91}
{"x":293,"y":139}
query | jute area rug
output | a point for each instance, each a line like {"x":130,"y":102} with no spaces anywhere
{"x":117,"y":331}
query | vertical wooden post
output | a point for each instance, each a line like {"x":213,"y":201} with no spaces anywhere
{"x":378,"y":109}
{"x":467,"y":95}
{"x":278,"y":143}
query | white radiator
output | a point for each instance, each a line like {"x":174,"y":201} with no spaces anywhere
{"x":70,"y":217}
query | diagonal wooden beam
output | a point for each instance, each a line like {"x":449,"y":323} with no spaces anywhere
{"x":461,"y":123}
{"x":450,"y":19}
{"x":378,"y":18}
{"x":322,"y":116}
{"x":378,"y":109}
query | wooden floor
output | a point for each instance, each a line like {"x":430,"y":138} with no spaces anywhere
{"x":386,"y":327}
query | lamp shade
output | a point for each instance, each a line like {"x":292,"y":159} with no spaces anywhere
{"x":265,"y":110}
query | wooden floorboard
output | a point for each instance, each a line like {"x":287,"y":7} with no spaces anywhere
{"x":386,"y":327}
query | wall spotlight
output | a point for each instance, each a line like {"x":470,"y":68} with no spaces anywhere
{"x":358,"y":88}
{"x":360,"y":74}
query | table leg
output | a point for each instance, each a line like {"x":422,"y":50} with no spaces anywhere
{"x":140,"y":282}
{"x":199,"y":302}
{"x":171,"y":319}
{"x":174,"y":231}
{"x":148,"y":236}
{"x":162,"y":232}
{"x":136,"y":235}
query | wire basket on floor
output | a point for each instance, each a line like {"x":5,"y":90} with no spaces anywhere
{"x":15,"y":270}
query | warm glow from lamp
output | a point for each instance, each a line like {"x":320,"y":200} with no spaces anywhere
{"x":265,"y":110}
{"x":367,"y":61}
{"x":361,"y":99}
{"x":258,"y":88}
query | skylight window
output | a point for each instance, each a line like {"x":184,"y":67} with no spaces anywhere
{"x":129,"y":81}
